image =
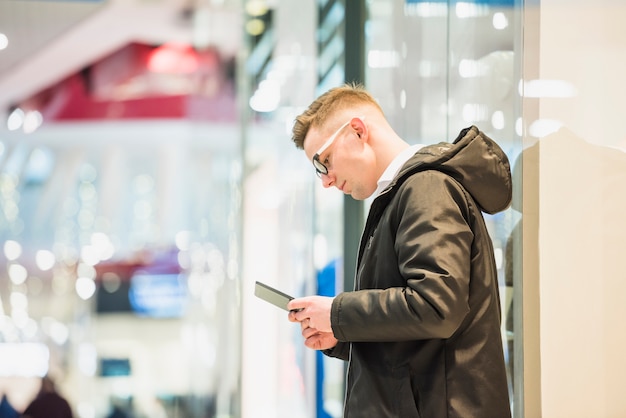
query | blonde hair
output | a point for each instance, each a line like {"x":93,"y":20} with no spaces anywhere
{"x":326,"y":105}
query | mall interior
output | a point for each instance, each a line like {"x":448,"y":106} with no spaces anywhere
{"x":148,"y":180}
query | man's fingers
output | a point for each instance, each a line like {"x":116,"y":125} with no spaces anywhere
{"x":304,"y":324}
{"x":309,"y":332}
{"x":296,"y":305}
{"x":292,"y":317}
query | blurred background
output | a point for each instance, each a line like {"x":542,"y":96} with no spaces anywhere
{"x":147,"y":180}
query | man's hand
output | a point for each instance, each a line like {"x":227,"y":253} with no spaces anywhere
{"x":314,"y":309}
{"x":313,"y":314}
{"x":317,"y":340}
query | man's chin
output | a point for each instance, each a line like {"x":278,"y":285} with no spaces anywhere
{"x":358,"y":196}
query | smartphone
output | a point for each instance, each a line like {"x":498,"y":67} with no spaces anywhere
{"x":271,"y":295}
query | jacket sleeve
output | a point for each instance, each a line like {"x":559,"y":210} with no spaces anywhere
{"x":432,"y":246}
{"x":340,"y":351}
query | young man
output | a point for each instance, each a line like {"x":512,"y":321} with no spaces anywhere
{"x":422,"y":327}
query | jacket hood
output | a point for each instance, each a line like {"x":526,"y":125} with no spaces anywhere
{"x":475,"y":161}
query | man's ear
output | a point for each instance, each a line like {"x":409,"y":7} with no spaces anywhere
{"x":359,"y":127}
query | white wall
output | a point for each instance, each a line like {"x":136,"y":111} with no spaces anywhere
{"x":575,"y":178}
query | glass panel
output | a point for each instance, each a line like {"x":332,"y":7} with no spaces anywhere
{"x":120,"y":212}
{"x":126,"y":262}
{"x":279,"y":372}
{"x":483,"y":78}
{"x":437,"y":67}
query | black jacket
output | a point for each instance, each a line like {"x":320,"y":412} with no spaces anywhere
{"x":422,"y":328}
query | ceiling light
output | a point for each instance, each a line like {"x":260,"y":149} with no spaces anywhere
{"x":45,"y":259}
{"x":500,"y":21}
{"x":4,"y":41}
{"x":32,"y":121}
{"x":12,"y":250}
{"x":547,"y":88}
{"x":256,"y":7}
{"x":173,"y":58}
{"x":255,"y":27}
{"x":15,"y":119}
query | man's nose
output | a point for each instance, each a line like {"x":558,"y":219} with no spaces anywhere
{"x":327,"y":180}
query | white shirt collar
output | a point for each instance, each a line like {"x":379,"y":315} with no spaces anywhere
{"x":394,"y":167}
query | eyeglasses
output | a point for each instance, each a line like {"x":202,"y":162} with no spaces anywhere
{"x":320,"y":168}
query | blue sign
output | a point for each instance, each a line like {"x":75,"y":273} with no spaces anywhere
{"x":158,"y":295}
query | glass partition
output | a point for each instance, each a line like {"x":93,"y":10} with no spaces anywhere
{"x":278,"y":71}
{"x":121,"y":183}
{"x":440,"y":66}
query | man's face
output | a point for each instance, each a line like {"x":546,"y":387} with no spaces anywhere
{"x":343,"y":159}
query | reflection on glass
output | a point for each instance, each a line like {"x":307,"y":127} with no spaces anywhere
{"x":459,"y":70}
